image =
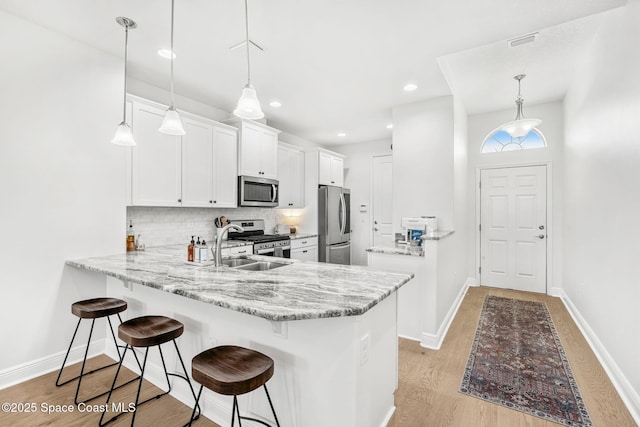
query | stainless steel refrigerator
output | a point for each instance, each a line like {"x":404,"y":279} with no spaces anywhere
{"x":334,"y":225}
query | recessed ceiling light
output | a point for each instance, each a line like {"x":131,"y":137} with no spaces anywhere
{"x":341,"y":134}
{"x":410,"y":87}
{"x":166,"y":53}
{"x":275,"y":104}
{"x":390,"y":126}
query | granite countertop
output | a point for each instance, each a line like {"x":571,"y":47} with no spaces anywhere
{"x":416,"y":251}
{"x":302,"y":236}
{"x":300,"y":290}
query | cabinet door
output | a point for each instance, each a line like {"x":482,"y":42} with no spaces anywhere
{"x":269,"y":154}
{"x":197,"y":153}
{"x":250,"y":151}
{"x":225,"y":169}
{"x":337,"y":174}
{"x":308,"y":253}
{"x":284,"y":179}
{"x":156,"y":158}
{"x":324,"y":169}
{"x":296,"y":178}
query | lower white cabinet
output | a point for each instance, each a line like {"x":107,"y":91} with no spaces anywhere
{"x":305,"y":249}
{"x":238,"y":250}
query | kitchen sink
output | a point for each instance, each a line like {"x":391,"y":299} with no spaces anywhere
{"x":236,"y":262}
{"x":261,"y":265}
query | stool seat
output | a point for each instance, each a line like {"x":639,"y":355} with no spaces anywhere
{"x":147,"y":331}
{"x":98,"y":307}
{"x":231,"y":370}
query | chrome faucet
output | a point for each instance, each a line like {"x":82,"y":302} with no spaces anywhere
{"x":218,"y":254}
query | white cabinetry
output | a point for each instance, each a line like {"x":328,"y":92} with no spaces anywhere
{"x":305,"y":249}
{"x":258,"y":149}
{"x":155,"y":160}
{"x":238,"y":250}
{"x":209,"y":158}
{"x":330,"y":168}
{"x":198,"y":169}
{"x":290,"y":176}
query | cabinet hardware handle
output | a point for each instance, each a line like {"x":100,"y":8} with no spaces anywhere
{"x":210,"y":201}
{"x":540,"y":236}
{"x":304,"y":252}
{"x":304,"y":243}
{"x":242,"y":252}
{"x":333,"y":182}
{"x":179,"y":200}
{"x":215,"y":201}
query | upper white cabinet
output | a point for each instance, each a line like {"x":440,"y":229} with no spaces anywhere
{"x":209,"y":159}
{"x":290,"y":176}
{"x":155,"y":160}
{"x":330,"y":168}
{"x":198,"y":169}
{"x":258,"y":149}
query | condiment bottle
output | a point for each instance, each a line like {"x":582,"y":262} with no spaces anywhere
{"x":190,"y":250}
{"x":131,"y":238}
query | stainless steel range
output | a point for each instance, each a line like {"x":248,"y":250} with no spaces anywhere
{"x":263,"y":244}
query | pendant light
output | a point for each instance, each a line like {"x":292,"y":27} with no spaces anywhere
{"x":520,"y":127}
{"x":171,"y":124}
{"x":248,"y":104}
{"x":123,"y":135}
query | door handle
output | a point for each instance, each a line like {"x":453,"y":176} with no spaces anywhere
{"x":540,"y":236}
{"x":375,"y":229}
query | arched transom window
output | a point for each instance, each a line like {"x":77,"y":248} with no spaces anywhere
{"x":499,"y":140}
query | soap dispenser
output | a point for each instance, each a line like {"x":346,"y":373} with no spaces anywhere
{"x":204,"y":252}
{"x":190,"y":250}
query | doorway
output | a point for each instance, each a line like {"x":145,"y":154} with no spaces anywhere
{"x":513,"y":228}
{"x":382,"y":200}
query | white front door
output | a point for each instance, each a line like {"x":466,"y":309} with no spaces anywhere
{"x":513,"y":228}
{"x":382,"y":201}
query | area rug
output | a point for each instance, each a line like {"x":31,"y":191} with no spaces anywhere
{"x":517,"y":361}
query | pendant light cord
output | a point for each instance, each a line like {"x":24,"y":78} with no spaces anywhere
{"x":126,"y":43}
{"x":246,"y":26}
{"x":172,"y":53}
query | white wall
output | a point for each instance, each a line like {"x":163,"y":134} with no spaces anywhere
{"x":357,"y":177}
{"x":602,"y":198}
{"x":62,"y":183}
{"x":552,"y":128}
{"x":423,"y":161}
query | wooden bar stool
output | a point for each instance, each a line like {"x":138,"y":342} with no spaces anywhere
{"x":93,"y":309}
{"x":149,"y":331}
{"x":232,"y":371}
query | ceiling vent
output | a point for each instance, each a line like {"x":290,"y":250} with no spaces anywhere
{"x":529,"y":38}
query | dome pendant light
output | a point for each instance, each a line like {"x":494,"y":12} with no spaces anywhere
{"x":248,"y":104}
{"x":520,"y":127}
{"x":171,"y":124}
{"x":123,"y":135}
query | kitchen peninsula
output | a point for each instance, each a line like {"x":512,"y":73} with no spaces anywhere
{"x":331,"y":329}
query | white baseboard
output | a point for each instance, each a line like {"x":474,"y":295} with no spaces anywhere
{"x":627,"y":393}
{"x":388,"y":417}
{"x":44,"y":365}
{"x":434,"y":341}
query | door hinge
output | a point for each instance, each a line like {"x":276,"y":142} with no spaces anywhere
{"x":479,"y":227}
{"x":479,"y":269}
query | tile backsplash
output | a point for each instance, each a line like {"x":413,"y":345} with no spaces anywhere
{"x":166,"y":226}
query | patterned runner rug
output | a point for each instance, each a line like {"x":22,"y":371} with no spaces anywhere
{"x":517,"y":361}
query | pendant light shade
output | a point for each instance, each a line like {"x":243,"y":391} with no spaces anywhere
{"x":123,"y":135}
{"x":520,"y":127}
{"x":172,"y":124}
{"x":248,"y":104}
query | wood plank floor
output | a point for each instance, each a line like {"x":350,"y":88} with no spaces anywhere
{"x":427,"y":394}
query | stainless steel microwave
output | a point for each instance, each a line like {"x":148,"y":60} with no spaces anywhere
{"x":254,"y":191}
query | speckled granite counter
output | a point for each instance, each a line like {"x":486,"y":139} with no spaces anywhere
{"x":398,"y":250}
{"x":300,"y":290}
{"x":302,"y":236}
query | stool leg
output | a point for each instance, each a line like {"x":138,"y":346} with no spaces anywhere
{"x":186,"y":377}
{"x":271,"y":404}
{"x":194,"y":407}
{"x":58,"y":384}
{"x":115,"y":378}
{"x":135,"y":355}
{"x":164,"y":366}
{"x":84,"y":361}
{"x":144,"y":364}
{"x":236,"y":408}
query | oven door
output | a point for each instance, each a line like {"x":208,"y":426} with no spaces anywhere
{"x":254,"y":191}
{"x":280,"y":252}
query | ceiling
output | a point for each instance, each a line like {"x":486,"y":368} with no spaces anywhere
{"x":340,"y":65}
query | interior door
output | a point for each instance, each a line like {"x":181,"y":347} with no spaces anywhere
{"x":382,"y":201}
{"x":513,"y":228}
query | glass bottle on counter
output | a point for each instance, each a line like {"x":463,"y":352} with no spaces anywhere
{"x":190,"y":250}
{"x":204,"y":252}
{"x":131,"y":238}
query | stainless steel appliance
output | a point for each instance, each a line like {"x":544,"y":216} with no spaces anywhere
{"x":263,"y":244}
{"x":334,"y":225}
{"x":254,"y":191}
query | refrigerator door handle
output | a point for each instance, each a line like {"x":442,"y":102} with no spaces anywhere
{"x":343,"y":206}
